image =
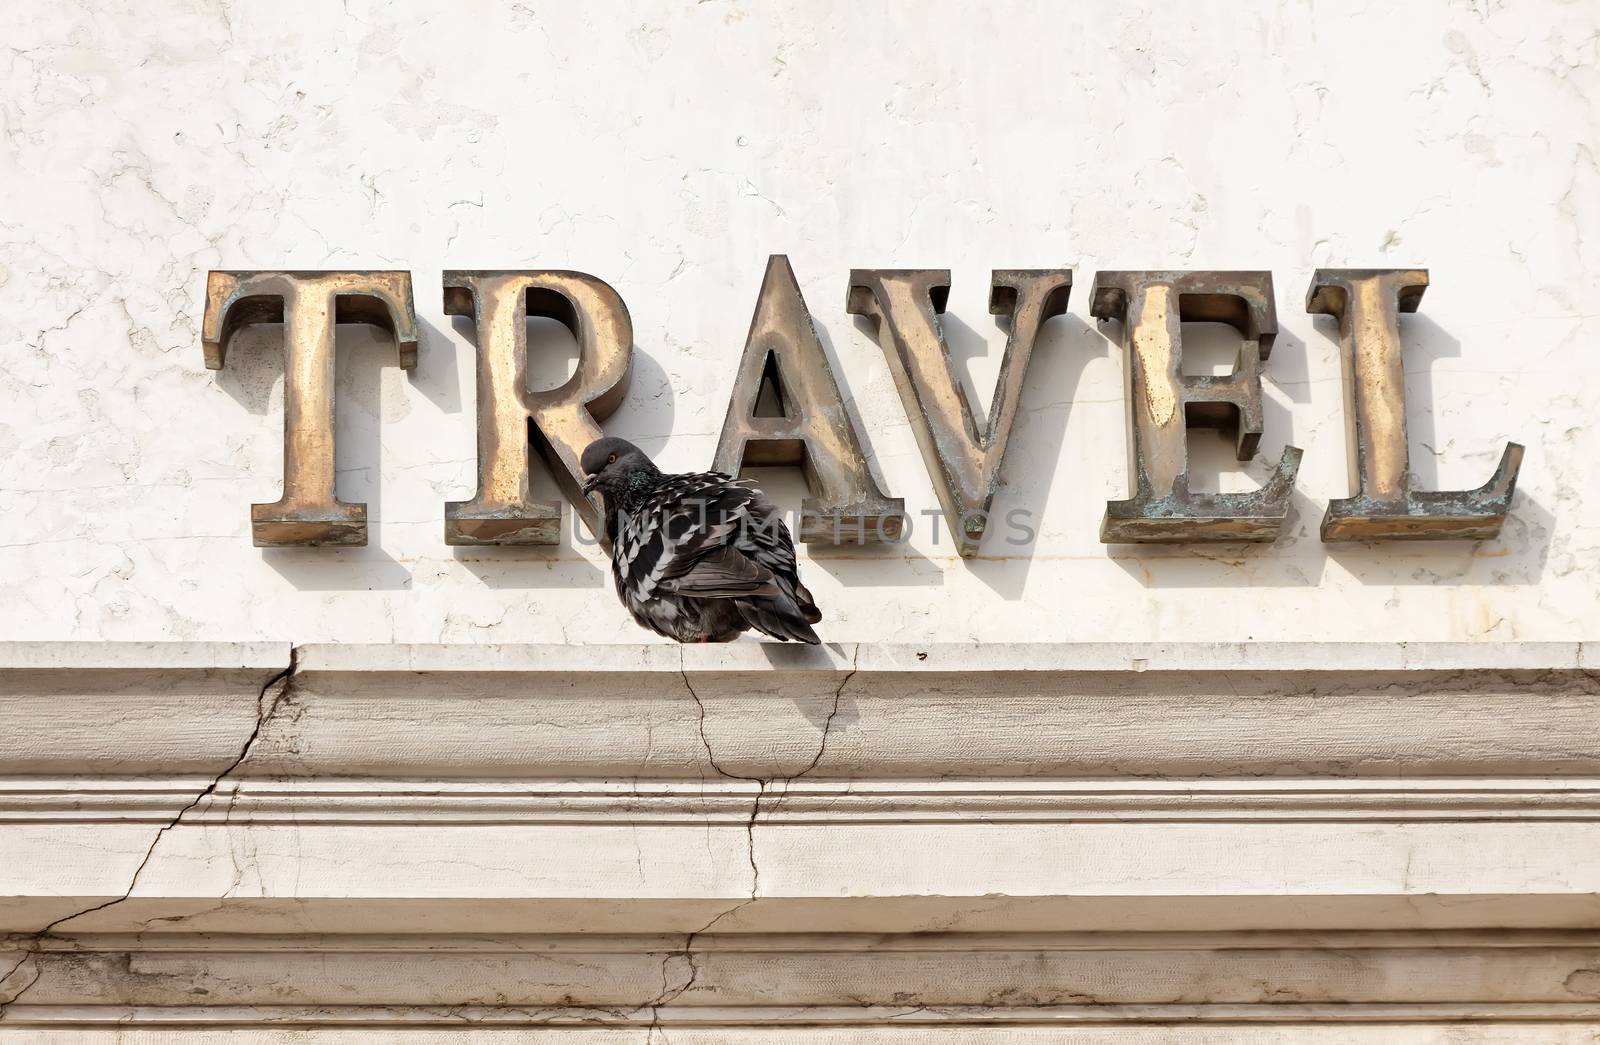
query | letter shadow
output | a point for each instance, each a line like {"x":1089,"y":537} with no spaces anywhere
{"x":360,"y":355}
{"x":1516,"y":557}
{"x":552,"y":358}
{"x":438,"y":374}
{"x":1063,"y":350}
{"x":879,"y":564}
{"x":1297,"y":557}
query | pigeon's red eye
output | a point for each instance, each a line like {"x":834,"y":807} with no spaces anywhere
{"x":612,"y":459}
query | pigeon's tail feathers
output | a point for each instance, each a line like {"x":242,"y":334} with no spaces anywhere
{"x":780,"y":617}
{"x":808,"y":606}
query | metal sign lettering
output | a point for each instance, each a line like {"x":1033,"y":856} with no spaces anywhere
{"x":814,"y":432}
{"x":308,"y":304}
{"x":560,"y":422}
{"x":1367,"y":303}
{"x":1163,"y":402}
{"x":812,"y":429}
{"x":905,"y":306}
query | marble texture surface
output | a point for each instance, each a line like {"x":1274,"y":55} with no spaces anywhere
{"x":669,"y":148}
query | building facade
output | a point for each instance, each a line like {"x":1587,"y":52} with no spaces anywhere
{"x":1174,"y":747}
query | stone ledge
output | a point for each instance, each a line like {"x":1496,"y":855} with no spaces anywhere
{"x":759,"y":712}
{"x":1320,"y":1025}
{"x":716,"y":837}
{"x":899,"y":1026}
{"x":1093,"y":657}
{"x":762,"y":657}
{"x":929,"y":980}
{"x":380,"y":802}
{"x":143,"y":656}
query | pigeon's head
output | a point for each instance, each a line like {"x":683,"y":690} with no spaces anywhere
{"x":612,"y":464}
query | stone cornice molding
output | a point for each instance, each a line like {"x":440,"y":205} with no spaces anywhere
{"x":761,"y":712}
{"x":717,"y":837}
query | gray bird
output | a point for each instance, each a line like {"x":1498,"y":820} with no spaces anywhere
{"x":698,"y":557}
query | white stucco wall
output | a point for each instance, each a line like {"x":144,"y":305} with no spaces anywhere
{"x":669,"y":148}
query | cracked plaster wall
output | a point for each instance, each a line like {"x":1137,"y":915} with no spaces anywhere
{"x":668,"y":148}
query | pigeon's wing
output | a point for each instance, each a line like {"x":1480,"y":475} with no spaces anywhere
{"x":707,"y":558}
{"x":707,"y":536}
{"x":722,"y":574}
{"x":765,"y":539}
{"x":681,"y":541}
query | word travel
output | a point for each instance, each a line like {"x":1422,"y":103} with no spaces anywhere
{"x":846,"y":504}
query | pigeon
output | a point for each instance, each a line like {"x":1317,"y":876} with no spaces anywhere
{"x":698,"y":557}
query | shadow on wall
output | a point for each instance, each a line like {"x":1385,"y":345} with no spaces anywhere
{"x":1063,"y":350}
{"x":1516,"y":557}
{"x":255,"y":367}
{"x":553,"y":354}
{"x":1298,"y":557}
{"x":876,"y":565}
{"x":367,"y":377}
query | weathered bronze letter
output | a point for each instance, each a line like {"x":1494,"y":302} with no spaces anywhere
{"x":560,"y":422}
{"x":308,"y":304}
{"x":905,"y":306}
{"x":815,"y":432}
{"x":1367,"y":304}
{"x":1163,"y":402}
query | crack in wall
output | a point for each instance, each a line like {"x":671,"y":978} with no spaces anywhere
{"x":668,"y":992}
{"x":827,"y":723}
{"x":34,"y":942}
{"x":269,"y":701}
